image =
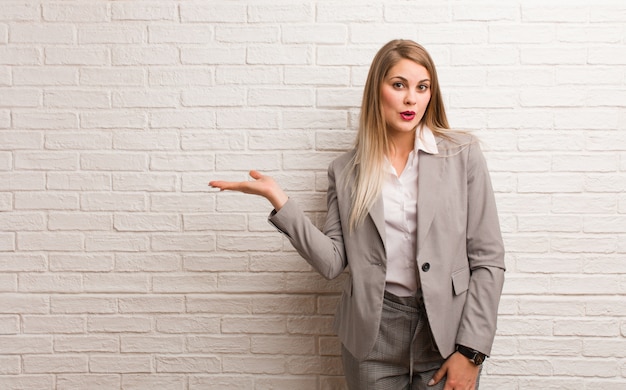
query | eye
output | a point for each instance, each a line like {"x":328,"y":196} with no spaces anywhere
{"x":398,"y":84}
{"x":423,"y":87}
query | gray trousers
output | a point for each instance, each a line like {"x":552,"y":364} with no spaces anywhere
{"x":404,"y":356}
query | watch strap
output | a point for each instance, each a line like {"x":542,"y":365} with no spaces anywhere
{"x":473,"y":355}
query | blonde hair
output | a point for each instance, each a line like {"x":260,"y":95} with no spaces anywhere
{"x":372,"y":143}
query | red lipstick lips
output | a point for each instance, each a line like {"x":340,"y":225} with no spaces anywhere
{"x":407,"y":115}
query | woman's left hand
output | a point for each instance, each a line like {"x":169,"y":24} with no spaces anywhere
{"x":461,"y":373}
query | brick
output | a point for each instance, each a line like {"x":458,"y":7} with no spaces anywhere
{"x":46,"y":201}
{"x":61,"y":283}
{"x":20,"y":11}
{"x":79,"y":182}
{"x":93,"y":34}
{"x":144,"y":182}
{"x":113,"y":202}
{"x":116,"y":242}
{"x":186,"y":324}
{"x":182,"y":119}
{"x":20,"y":56}
{"x":277,"y":262}
{"x":254,"y":364}
{"x":349,"y":12}
{"x":119,"y":324}
{"x":113,"y":161}
{"x":25,"y":344}
{"x":91,"y":381}
{"x":268,"y":243}
{"x":143,"y":99}
{"x":39,"y":364}
{"x":143,"y":10}
{"x":9,"y":365}
{"x":153,"y":55}
{"x":579,"y":367}
{"x":152,"y":344}
{"x":44,"y":120}
{"x":204,"y":364}
{"x":218,"y":303}
{"x":53,"y":324}
{"x":219,"y":344}
{"x":279,"y":345}
{"x":43,"y":34}
{"x":245,"y":162}
{"x":74,"y":99}
{"x":146,"y":222}
{"x":210,"y":140}
{"x":77,"y":141}
{"x":183,"y":242}
{"x":213,"y":222}
{"x":128,"y":262}
{"x":180,"y":76}
{"x":546,"y":12}
{"x":49,"y":161}
{"x":492,"y":55}
{"x":289,"y":97}
{"x":68,"y":304}
{"x":247,"y":119}
{"x":154,"y":140}
{"x":19,"y":97}
{"x":485,"y":12}
{"x":315,"y":33}
{"x":75,"y":13}
{"x":55,"y":76}
{"x":214,"y":96}
{"x":80,"y":262}
{"x":152,"y":304}
{"x":76,"y":56}
{"x":213,"y":12}
{"x":180,"y":34}
{"x":345,"y":98}
{"x":181,"y":203}
{"x":22,"y":222}
{"x":113,"y":120}
{"x":155,"y":381}
{"x":185,"y":284}
{"x":307,"y":325}
{"x":124,"y":77}
{"x":8,"y":282}
{"x":279,"y":54}
{"x":258,"y":34}
{"x":213,"y":55}
{"x":120,"y":364}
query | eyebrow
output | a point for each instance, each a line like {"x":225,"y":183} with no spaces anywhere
{"x":404,"y":79}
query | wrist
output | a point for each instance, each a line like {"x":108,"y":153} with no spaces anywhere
{"x":278,"y":200}
{"x":473,"y":355}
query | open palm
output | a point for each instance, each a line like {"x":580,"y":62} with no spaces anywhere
{"x":262,"y":185}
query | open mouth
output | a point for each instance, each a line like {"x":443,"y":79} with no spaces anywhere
{"x":407,"y":115}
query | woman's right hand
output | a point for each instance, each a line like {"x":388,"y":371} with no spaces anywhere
{"x":262,"y":185}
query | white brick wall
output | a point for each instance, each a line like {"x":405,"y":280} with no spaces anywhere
{"x":120,"y":269}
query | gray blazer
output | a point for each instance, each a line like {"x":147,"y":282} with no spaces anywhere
{"x":460,"y":254}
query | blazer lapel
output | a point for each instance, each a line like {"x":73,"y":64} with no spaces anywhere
{"x":429,"y":180}
{"x":377,"y":213}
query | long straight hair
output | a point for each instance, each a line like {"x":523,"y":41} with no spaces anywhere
{"x":372,"y":143}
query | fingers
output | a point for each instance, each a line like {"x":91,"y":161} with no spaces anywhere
{"x":256,"y":175}
{"x":438,"y":376}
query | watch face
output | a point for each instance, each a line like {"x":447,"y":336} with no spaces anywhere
{"x":479,"y":359}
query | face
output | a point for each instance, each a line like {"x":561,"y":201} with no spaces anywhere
{"x":405,"y":94}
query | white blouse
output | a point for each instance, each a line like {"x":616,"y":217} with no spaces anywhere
{"x":400,"y":205}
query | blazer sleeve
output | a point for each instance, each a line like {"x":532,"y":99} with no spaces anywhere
{"x":324,"y":250}
{"x":485,"y":252}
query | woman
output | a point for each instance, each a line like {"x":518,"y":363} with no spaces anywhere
{"x":411,"y":211}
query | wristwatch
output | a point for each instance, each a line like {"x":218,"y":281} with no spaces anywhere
{"x":473,"y":355}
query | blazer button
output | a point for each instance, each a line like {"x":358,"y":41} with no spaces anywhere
{"x":426,"y":267}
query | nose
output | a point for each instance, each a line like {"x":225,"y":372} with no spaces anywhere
{"x":410,"y":98}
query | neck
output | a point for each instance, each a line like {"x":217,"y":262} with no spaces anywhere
{"x":401,"y":144}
